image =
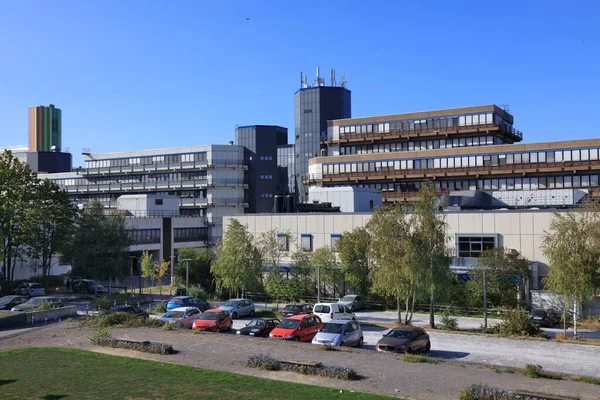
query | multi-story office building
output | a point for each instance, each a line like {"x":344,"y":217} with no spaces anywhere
{"x":261,"y":144}
{"x":208,"y":181}
{"x":285,"y":169}
{"x":459,"y":149}
{"x":315,"y":105}
{"x":45,"y":128}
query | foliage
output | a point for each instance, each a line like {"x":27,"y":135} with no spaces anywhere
{"x":197,"y":291}
{"x":572,"y":248}
{"x":238,"y":267}
{"x":146,"y":265}
{"x":100,"y":332}
{"x":430,"y":240}
{"x":31,"y":378}
{"x":448,"y":323}
{"x":147,"y":347}
{"x":160,"y":270}
{"x":418,"y":358}
{"x":324,"y":261}
{"x":517,"y":322}
{"x":158,"y":308}
{"x":505,"y":271}
{"x":267,"y":362}
{"x":100,"y":244}
{"x":536,"y":371}
{"x":353,"y":249}
{"x":587,"y":379}
{"x":45,"y":306}
{"x":395,"y":271}
{"x":199,"y":266}
{"x":122,"y":319}
{"x":104,"y":303}
{"x":277,"y":285}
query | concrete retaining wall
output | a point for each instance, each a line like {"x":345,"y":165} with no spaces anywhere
{"x":51,"y":315}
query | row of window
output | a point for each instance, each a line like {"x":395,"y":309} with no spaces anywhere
{"x":463,"y":161}
{"x":266,"y":195}
{"x":424,"y":124}
{"x":413,"y":145}
{"x":306,"y":242}
{"x":533,"y":183}
{"x":266,"y":158}
{"x":266,"y":177}
{"x":190,"y":235}
{"x":144,"y":236}
{"x":147,"y":160}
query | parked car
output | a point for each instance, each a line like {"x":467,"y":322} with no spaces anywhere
{"x":340,"y":333}
{"x":182,"y":315}
{"x":129,"y":310}
{"x":298,"y":328}
{"x":30,"y":289}
{"x":239,"y":307}
{"x":259,"y":327}
{"x":405,"y":339}
{"x":8,"y":302}
{"x":214,"y":320}
{"x":296,"y":309}
{"x":187,"y":301}
{"x":333,"y":311}
{"x":87,"y":286}
{"x":35,"y":302}
{"x":545,"y":318}
{"x":353,"y":302}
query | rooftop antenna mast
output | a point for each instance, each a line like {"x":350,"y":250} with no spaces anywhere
{"x":301,"y":80}
{"x":343,"y":83}
{"x":332,"y":75}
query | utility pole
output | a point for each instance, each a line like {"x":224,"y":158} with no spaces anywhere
{"x":318,"y":284}
{"x":187,"y":274}
{"x":485,"y":313}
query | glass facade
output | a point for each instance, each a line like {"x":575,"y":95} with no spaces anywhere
{"x":412,"y":145}
{"x":286,"y":170}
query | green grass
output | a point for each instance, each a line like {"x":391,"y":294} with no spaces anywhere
{"x":417,"y":358}
{"x":586,"y":379}
{"x":45,"y":373}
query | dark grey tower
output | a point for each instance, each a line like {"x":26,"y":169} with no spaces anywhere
{"x":316,"y":104}
{"x":261,"y":143}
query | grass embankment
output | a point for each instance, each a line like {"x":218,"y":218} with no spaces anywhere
{"x":64,"y":373}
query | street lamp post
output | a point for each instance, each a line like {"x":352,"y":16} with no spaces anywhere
{"x":187,"y":273}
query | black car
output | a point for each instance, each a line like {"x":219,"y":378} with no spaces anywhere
{"x":8,"y":302}
{"x":87,"y":286}
{"x":545,"y":318}
{"x":259,"y":327}
{"x":130,"y":310}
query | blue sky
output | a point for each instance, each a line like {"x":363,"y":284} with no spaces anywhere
{"x":136,"y":74}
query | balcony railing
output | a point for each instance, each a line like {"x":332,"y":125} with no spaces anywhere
{"x":515,"y":134}
{"x":157,"y":167}
{"x":183,"y":184}
{"x":393,"y":196}
{"x":387,"y":172}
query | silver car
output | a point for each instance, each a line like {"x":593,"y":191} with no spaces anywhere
{"x":182,"y":315}
{"x":353,"y":301}
{"x":30,"y":289}
{"x":340,"y":333}
{"x":35,"y":302}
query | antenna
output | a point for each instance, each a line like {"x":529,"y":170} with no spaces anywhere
{"x":343,"y":83}
{"x":301,"y":79}
{"x":332,"y":75}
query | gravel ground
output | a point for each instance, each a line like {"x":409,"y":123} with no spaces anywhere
{"x":381,"y":373}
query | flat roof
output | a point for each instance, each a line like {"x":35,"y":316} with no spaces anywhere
{"x":163,"y":151}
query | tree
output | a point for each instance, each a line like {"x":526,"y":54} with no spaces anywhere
{"x":571,"y":248}
{"x":506,"y":271}
{"x":325,"y":263}
{"x":17,"y":187}
{"x":160,"y":270}
{"x":99,"y":245}
{"x":199,"y":266}
{"x":272,"y":246}
{"x":238,"y":266}
{"x":302,"y":279}
{"x":146,"y":265}
{"x":49,"y":224}
{"x":353,"y":249}
{"x":395,"y":272}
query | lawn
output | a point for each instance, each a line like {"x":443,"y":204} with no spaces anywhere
{"x":74,"y":374}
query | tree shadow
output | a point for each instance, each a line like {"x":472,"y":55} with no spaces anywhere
{"x":448,"y":355}
{"x":53,"y":397}
{"x":6,"y":381}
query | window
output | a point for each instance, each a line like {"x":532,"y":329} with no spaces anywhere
{"x":190,"y":235}
{"x":306,"y":242}
{"x":334,"y":240}
{"x":158,"y":202}
{"x":282,"y":241}
{"x":472,"y":246}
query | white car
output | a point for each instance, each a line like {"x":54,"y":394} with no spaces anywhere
{"x":333,"y":312}
{"x":182,"y":315}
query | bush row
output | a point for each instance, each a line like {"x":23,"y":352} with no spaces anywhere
{"x":480,"y":392}
{"x":148,"y":347}
{"x":118,"y":319}
{"x":268,"y":363}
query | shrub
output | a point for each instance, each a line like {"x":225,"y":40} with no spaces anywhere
{"x":104,"y":303}
{"x":148,"y":347}
{"x":197,"y":291}
{"x":517,"y":322}
{"x":328,"y":347}
{"x":158,"y":308}
{"x":44,"y":306}
{"x":417,"y":358}
{"x":587,"y":379}
{"x":168,"y":327}
{"x":118,"y":319}
{"x":100,"y":332}
{"x":266,"y":362}
{"x":536,"y":371}
{"x":448,"y":322}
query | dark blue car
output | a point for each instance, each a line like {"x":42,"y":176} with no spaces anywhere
{"x":187,"y":301}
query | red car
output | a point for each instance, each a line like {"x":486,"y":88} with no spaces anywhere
{"x":298,"y":328}
{"x":213,"y":321}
